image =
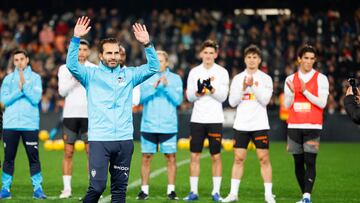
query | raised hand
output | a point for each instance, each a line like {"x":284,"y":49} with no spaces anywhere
{"x":22,"y":78}
{"x":200,"y":87}
{"x":302,"y":85}
{"x":141,"y":34}
{"x":207,"y":84}
{"x":248,"y":81}
{"x":164,"y":80}
{"x":82,"y":26}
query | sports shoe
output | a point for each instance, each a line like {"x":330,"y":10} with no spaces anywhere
{"x":191,"y":197}
{"x":5,"y":194}
{"x":172,"y":196}
{"x":306,"y":200}
{"x":230,"y":198}
{"x":270,"y":199}
{"x":39,"y":194}
{"x":65,"y":194}
{"x":216,"y":197}
{"x":142,"y":196}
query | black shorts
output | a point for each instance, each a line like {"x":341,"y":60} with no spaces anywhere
{"x":75,"y":129}
{"x":259,"y":137}
{"x":200,"y":131}
{"x":303,"y":140}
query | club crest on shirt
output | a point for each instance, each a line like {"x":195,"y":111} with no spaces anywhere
{"x":93,"y":173}
{"x":120,"y":79}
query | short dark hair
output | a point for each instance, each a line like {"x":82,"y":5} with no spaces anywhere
{"x":252,"y":49}
{"x":85,"y":42}
{"x":20,"y":51}
{"x":107,"y":40}
{"x":307,"y":48}
{"x":209,"y":43}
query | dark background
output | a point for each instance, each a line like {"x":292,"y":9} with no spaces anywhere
{"x":145,"y":5}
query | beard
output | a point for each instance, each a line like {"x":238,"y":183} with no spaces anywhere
{"x":111,"y":63}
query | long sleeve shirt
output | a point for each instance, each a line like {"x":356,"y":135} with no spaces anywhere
{"x":22,"y":110}
{"x":251,"y":114}
{"x":320,"y":100}
{"x":109,"y":93}
{"x":160,"y":103}
{"x":74,"y":93}
{"x":208,"y":108}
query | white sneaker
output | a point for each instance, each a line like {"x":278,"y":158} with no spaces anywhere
{"x":230,"y":198}
{"x":270,"y":199}
{"x":65,"y":194}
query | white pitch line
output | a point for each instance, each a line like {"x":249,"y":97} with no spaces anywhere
{"x":153,"y":174}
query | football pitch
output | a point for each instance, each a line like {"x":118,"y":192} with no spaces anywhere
{"x":338,"y":176}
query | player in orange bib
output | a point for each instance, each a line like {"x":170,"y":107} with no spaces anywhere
{"x":306,"y":93}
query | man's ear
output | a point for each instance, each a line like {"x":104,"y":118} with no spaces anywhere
{"x":101,"y":56}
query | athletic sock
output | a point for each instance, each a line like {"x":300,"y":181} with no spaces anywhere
{"x":216,"y":185}
{"x":310,"y":173}
{"x":300,"y":170}
{"x":268,"y":188}
{"x":194,"y":184}
{"x":235,"y":184}
{"x":170,"y":188}
{"x":145,"y":189}
{"x":67,"y":182}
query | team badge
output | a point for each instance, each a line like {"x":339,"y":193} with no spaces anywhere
{"x":93,"y":173}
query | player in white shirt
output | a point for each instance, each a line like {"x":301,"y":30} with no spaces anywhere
{"x":250,"y":92}
{"x":136,"y":90}
{"x":75,"y":114}
{"x":207,"y":87}
{"x":306,"y":93}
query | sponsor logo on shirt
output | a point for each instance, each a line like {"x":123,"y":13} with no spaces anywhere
{"x":248,"y":96}
{"x":302,"y":107}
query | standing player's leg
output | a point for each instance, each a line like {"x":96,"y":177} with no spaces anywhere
{"x":261,"y":141}
{"x":168,"y":143}
{"x":99,"y":156}
{"x":242,"y":140}
{"x":149,"y":143}
{"x":214,"y":134}
{"x":295,"y":147}
{"x":120,"y":168}
{"x":70,"y":126}
{"x":198,"y":134}
{"x":311,"y":148}
{"x":31,"y":143}
{"x":11,"y":142}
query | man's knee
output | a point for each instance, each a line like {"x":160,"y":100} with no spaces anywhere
{"x":147,"y":158}
{"x":98,"y":186}
{"x":216,"y":158}
{"x":68,"y":154}
{"x":170,"y":158}
{"x":195,"y":157}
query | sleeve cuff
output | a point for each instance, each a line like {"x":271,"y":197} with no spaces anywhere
{"x":75,"y":40}
{"x":306,"y":93}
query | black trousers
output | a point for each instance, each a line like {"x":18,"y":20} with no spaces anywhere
{"x":31,"y":143}
{"x":118,"y":154}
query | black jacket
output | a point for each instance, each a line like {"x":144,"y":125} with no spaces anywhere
{"x":352,"y":108}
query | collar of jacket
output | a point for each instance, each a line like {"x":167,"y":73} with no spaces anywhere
{"x":109,"y":70}
{"x":26,"y":70}
{"x":165,"y":72}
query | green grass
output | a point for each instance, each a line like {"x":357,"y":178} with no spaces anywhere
{"x":338,"y":176}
